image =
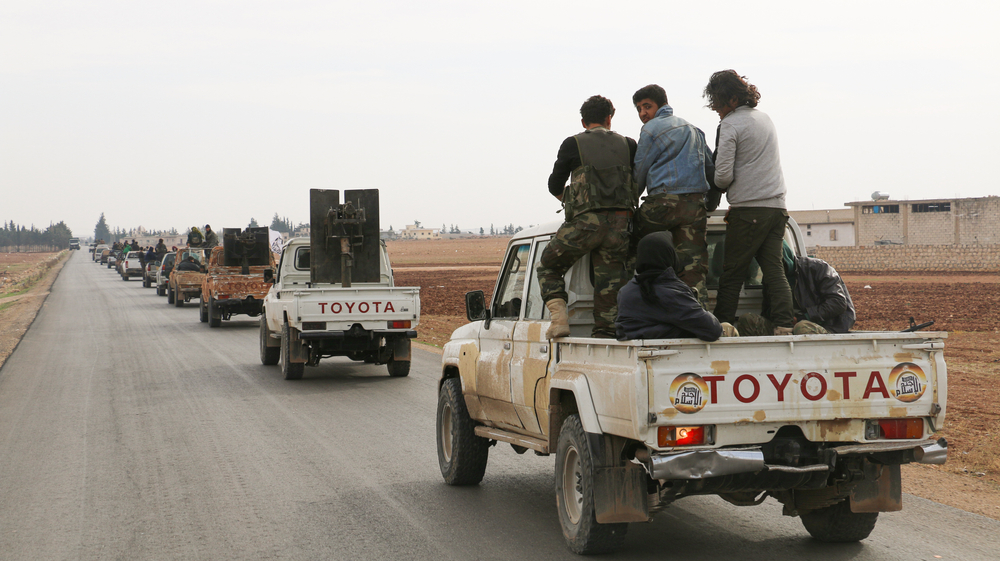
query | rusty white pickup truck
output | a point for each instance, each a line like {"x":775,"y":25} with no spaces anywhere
{"x":821,"y":423}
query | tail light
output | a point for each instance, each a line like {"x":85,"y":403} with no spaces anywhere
{"x":683,"y":436}
{"x":399,"y":324}
{"x":894,"y":429}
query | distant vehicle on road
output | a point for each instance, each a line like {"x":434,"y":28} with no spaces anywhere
{"x":74,"y":243}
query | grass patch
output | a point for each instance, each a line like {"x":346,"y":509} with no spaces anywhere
{"x":15,"y":293}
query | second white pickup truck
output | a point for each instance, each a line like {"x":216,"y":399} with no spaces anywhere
{"x":370,"y":319}
{"x":821,"y":423}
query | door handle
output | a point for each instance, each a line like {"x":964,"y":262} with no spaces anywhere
{"x":506,"y":346}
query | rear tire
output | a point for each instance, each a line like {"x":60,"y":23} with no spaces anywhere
{"x":574,"y":482}
{"x":214,"y":314}
{"x":398,"y":368}
{"x":202,"y":313}
{"x":462,"y":455}
{"x":291,"y":370}
{"x":838,"y":524}
{"x":268,"y":355}
{"x":170,"y":295}
{"x":178,"y":300}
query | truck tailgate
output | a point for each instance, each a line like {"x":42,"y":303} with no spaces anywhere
{"x":372,"y":307}
{"x":797,"y":379}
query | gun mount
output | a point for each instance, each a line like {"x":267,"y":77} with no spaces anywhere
{"x":245,"y":248}
{"x":344,"y":237}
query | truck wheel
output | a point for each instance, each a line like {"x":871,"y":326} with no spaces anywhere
{"x":268,"y":355}
{"x":202,"y":312}
{"x":291,"y":370}
{"x":574,"y":483}
{"x":178,"y":300}
{"x":214,"y":314}
{"x":170,"y":295}
{"x":398,"y":368}
{"x":838,"y":524}
{"x":461,"y":454}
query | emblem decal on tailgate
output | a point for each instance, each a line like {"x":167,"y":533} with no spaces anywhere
{"x":689,"y":393}
{"x":907,"y":381}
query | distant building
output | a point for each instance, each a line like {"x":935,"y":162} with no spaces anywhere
{"x":972,"y":221}
{"x":828,"y":228}
{"x":411,"y":232}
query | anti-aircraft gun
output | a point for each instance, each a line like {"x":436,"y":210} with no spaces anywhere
{"x":234,"y":283}
{"x":333,"y":294}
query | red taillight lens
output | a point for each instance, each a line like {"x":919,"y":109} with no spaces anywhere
{"x":399,"y":324}
{"x":680,"y":436}
{"x":893,"y":429}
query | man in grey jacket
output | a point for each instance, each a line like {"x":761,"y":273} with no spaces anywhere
{"x":748,"y":170}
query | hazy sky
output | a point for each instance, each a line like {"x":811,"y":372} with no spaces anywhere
{"x":172,"y":114}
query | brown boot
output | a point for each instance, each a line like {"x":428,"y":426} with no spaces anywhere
{"x":560,"y":320}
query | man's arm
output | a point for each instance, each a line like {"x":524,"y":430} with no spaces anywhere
{"x":645,"y":154}
{"x":567,"y":160}
{"x":725,"y":156}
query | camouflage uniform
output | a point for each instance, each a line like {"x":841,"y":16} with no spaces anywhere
{"x":684,"y":216}
{"x":753,"y":325}
{"x":598,"y":203}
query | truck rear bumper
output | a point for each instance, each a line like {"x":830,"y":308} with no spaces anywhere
{"x":703,"y":464}
{"x":249,"y":305}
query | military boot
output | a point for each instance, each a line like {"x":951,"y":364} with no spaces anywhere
{"x":560,"y":320}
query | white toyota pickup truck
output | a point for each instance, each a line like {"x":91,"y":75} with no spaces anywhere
{"x":303,"y":322}
{"x":821,"y":423}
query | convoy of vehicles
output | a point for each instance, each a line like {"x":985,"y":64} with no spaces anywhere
{"x":821,"y":423}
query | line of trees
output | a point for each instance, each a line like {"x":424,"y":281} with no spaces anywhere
{"x":20,"y":237}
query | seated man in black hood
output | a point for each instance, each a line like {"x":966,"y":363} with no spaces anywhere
{"x":656,"y":304}
{"x":821,"y":303}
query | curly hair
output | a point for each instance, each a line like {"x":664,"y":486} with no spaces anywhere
{"x":725,"y":86}
{"x":596,"y":109}
{"x":652,"y":92}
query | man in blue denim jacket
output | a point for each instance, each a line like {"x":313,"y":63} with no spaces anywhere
{"x":674,"y":166}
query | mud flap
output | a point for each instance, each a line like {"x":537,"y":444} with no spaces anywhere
{"x":401,"y":349}
{"x":884,"y":494}
{"x":297,"y":351}
{"x":620,"y":495}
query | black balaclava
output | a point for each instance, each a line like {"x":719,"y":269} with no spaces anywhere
{"x":655,"y":255}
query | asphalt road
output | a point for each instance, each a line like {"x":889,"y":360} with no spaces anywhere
{"x":129,"y":430}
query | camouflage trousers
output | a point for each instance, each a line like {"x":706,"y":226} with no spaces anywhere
{"x":685,"y":218}
{"x":604,"y":235}
{"x":753,"y":325}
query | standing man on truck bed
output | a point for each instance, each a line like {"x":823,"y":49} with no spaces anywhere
{"x":748,"y":169}
{"x":599,"y":202}
{"x":673,"y":165}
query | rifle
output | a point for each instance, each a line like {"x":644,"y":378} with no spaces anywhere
{"x":914,"y":326}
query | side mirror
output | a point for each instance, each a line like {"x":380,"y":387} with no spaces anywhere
{"x":475,"y":305}
{"x":269,"y":276}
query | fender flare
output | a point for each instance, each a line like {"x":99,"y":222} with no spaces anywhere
{"x":577,"y":384}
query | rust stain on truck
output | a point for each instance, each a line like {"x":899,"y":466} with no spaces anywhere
{"x":720,"y":367}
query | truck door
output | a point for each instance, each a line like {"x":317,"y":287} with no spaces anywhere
{"x":496,"y":343}
{"x":529,"y":365}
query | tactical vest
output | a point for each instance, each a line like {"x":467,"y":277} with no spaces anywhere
{"x":604,"y":178}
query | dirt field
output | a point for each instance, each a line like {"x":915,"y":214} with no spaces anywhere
{"x":966,"y":305}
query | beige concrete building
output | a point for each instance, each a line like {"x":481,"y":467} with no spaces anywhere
{"x":411,"y":232}
{"x":927,"y":222}
{"x":826,"y":228}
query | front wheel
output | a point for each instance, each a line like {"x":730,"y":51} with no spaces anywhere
{"x":462,"y":455}
{"x":838,"y":524}
{"x":214,"y":314}
{"x":291,"y":370}
{"x":574,"y":482}
{"x":268,"y":355}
